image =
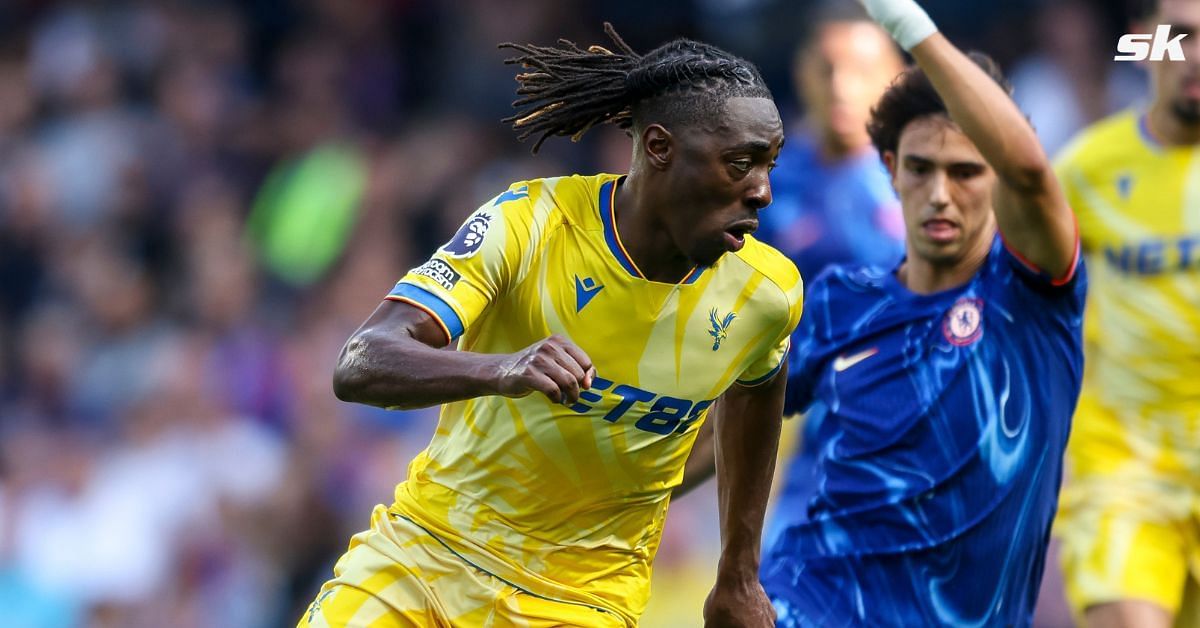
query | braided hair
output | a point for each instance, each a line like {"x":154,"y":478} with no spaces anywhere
{"x":567,"y":90}
{"x":911,"y":96}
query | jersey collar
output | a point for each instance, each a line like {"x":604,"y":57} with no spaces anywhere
{"x":608,"y":217}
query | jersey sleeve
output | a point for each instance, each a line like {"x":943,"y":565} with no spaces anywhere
{"x":479,"y":264}
{"x":764,"y":368}
{"x":1031,"y":273}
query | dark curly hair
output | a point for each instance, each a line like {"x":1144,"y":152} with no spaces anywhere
{"x":912,"y":96}
{"x":567,"y":90}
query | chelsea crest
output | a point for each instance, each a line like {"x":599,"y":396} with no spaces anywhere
{"x":963,"y":324}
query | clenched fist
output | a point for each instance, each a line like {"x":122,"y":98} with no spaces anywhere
{"x":555,"y":367}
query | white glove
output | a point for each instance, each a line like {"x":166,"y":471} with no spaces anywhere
{"x":904,"y":19}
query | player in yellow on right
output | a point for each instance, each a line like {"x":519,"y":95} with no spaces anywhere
{"x":1130,"y":512}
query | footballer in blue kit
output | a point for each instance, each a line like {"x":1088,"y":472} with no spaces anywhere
{"x":943,"y":386}
{"x":943,"y":421}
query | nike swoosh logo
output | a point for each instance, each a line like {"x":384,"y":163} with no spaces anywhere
{"x":843,"y":362}
{"x":584,"y":295}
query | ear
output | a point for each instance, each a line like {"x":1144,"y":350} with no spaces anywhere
{"x":889,"y":160}
{"x":658,"y":145}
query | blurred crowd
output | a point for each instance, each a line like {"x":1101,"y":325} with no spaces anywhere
{"x":201,"y":200}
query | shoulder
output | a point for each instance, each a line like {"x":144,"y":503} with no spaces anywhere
{"x":576,"y":198}
{"x":847,"y":285}
{"x":774,"y":267}
{"x":531,"y":210}
{"x":768,"y":282}
{"x":842,"y":303}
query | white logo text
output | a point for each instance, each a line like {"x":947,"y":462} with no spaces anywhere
{"x":1142,"y":46}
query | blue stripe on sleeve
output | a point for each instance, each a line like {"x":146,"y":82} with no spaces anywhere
{"x":435,"y":304}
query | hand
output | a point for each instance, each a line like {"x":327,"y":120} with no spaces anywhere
{"x":904,"y":19}
{"x":738,"y":603}
{"x":554,"y":367}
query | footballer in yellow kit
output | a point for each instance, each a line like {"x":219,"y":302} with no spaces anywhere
{"x":1129,"y":511}
{"x":566,"y":503}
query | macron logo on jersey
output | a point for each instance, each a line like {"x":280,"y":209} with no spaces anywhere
{"x":585,"y":291}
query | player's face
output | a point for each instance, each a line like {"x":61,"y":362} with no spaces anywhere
{"x":1177,"y":83}
{"x":720,"y":178}
{"x":841,"y":75}
{"x":945,"y":188}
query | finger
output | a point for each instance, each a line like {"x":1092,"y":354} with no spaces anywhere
{"x":580,"y":374}
{"x":583,"y":360}
{"x":568,"y":383}
{"x":568,"y":362}
{"x":578,"y":355}
{"x":546,"y":385}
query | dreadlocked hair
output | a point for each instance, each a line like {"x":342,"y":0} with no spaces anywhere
{"x":567,"y":89}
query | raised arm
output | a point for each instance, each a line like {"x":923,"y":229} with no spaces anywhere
{"x":395,"y":360}
{"x":1030,"y":208}
{"x":747,"y":437}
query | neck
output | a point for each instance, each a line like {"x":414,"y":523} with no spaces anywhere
{"x":922,"y":276}
{"x":644,"y":236}
{"x":1168,"y":129}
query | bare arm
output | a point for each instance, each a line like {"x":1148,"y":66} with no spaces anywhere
{"x":1031,"y":211}
{"x":747,"y":437}
{"x":394,"y":361}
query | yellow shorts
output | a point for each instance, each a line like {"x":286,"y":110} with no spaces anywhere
{"x":1129,"y":517}
{"x":397,"y":575}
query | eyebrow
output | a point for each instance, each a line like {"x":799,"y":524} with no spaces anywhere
{"x":752,"y":146}
{"x":925,"y":161}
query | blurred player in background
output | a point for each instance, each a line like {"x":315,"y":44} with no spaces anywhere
{"x":834,"y":202}
{"x":597,"y":319}
{"x":1130,"y":520}
{"x":945,"y":385}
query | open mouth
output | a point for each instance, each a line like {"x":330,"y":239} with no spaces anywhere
{"x":735,"y":234}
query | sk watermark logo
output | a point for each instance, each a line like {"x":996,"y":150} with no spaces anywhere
{"x":1142,"y":46}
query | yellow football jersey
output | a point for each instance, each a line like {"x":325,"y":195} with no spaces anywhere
{"x":569,"y":502}
{"x":1138,"y":205}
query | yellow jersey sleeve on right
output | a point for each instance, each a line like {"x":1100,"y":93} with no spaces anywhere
{"x":483,"y":259}
{"x":781,"y":273}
